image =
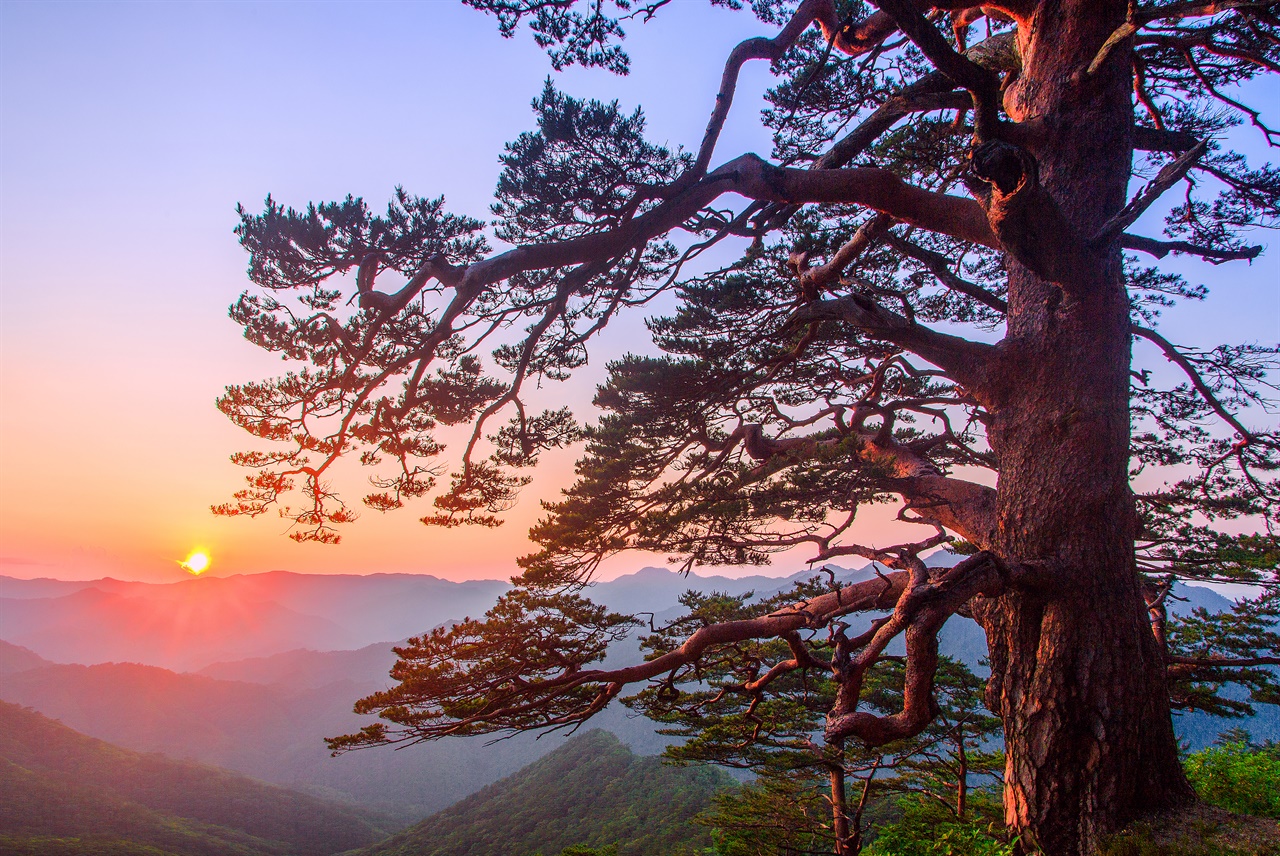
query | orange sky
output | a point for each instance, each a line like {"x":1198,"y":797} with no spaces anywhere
{"x":130,"y":131}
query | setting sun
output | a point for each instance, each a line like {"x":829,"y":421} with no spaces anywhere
{"x":197,"y":563}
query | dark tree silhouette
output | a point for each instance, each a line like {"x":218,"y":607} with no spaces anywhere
{"x":936,"y":168}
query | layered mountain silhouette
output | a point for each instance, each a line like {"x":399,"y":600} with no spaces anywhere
{"x":194,"y":623}
{"x":191,"y":624}
{"x":145,"y":667}
{"x":274,"y":732}
{"x":61,"y":791}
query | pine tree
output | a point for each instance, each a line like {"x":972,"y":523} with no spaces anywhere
{"x":942,"y":289}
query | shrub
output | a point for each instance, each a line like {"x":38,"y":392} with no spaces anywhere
{"x":1238,"y":776}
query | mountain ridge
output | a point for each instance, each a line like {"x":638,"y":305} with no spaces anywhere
{"x":265,"y":715}
{"x":59,"y":783}
{"x":590,"y":791}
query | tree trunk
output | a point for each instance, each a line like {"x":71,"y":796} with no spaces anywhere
{"x":1076,"y":674}
{"x":844,"y":846}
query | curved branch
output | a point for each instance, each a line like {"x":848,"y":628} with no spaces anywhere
{"x":922,"y":610}
{"x":940,"y":266}
{"x":967,"y":361}
{"x":1175,"y":356}
{"x":752,"y":177}
{"x":821,"y":11}
{"x":964,"y":507}
{"x":981,"y":83}
{"x":876,"y":594}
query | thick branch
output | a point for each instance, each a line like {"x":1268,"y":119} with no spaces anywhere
{"x":875,"y":188}
{"x":981,"y":83}
{"x":1170,"y":175}
{"x":815,"y":280}
{"x":964,"y":507}
{"x":966,"y":361}
{"x":922,"y":610}
{"x":753,"y":178}
{"x":876,"y":594}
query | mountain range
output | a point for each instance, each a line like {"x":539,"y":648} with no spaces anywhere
{"x":266,"y":714}
{"x":63,"y":791}
{"x":193,"y":623}
{"x":145,"y":666}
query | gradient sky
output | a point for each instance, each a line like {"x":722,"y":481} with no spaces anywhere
{"x":129,"y":131}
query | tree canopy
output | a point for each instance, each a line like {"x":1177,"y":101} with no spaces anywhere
{"x":947,"y":299}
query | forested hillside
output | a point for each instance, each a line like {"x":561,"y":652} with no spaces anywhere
{"x":267,"y":716}
{"x":58,"y":786}
{"x":592,"y":791}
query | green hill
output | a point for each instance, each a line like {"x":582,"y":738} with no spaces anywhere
{"x":592,"y":791}
{"x":63,"y":792}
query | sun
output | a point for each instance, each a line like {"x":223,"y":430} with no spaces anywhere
{"x":196,"y":563}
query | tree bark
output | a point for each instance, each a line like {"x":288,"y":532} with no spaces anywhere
{"x":844,"y":846}
{"x":1076,"y":674}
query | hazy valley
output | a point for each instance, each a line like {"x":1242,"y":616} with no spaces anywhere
{"x":147,"y":669}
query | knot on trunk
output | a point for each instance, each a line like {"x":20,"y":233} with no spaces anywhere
{"x":1023,"y":215}
{"x":1004,"y":166}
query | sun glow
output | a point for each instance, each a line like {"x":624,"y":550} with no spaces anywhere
{"x":196,"y":563}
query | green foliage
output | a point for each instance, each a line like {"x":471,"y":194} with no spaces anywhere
{"x":774,"y":814}
{"x":1238,"y":776}
{"x":524,"y":641}
{"x":585,"y":798}
{"x":577,"y":173}
{"x":788,"y":808}
{"x":1244,"y":639}
{"x":42,"y":805}
{"x":926,"y":828}
{"x":288,"y":247}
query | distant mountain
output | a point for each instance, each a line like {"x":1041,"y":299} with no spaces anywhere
{"x":57,"y":784}
{"x":270,"y":690}
{"x":306,"y":669}
{"x":275,"y":730}
{"x":591,"y":791}
{"x":195,"y":623}
{"x":659,"y":589}
{"x":1198,"y":730}
{"x":15,"y":658}
{"x":96,"y":626}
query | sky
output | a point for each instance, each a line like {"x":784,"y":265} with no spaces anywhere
{"x":128,"y":133}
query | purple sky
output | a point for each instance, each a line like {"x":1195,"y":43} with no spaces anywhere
{"x":129,"y":131}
